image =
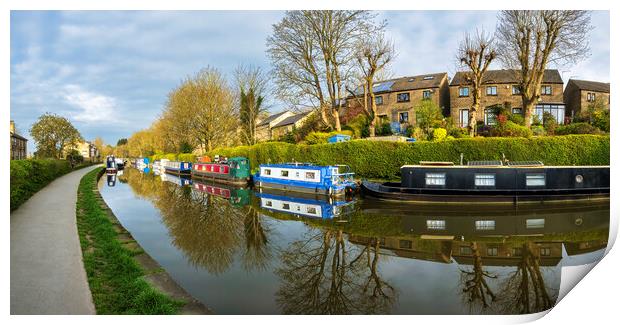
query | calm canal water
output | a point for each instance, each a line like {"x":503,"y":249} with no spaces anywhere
{"x":243,"y":252}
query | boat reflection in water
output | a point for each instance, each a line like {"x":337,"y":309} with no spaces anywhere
{"x":233,"y":251}
{"x":175,"y":179}
{"x":111,"y":179}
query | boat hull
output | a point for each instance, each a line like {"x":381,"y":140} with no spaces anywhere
{"x":306,"y":189}
{"x":393,"y":191}
{"x":219,"y":177}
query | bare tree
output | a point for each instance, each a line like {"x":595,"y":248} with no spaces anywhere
{"x":252,"y":84}
{"x":374,"y":54}
{"x":312,"y":53}
{"x":531,"y":40}
{"x":476,"y":52}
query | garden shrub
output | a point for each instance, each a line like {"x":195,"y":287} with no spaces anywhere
{"x":577,"y":128}
{"x":549,"y":123}
{"x":538,"y":130}
{"x":439,"y":134}
{"x":30,"y":175}
{"x":374,"y":159}
{"x":322,"y":137}
{"x":517,"y":119}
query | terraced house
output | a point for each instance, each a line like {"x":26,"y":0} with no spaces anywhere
{"x":500,"y":89}
{"x":580,"y":94}
{"x":396,"y":99}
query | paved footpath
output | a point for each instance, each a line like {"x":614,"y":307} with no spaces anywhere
{"x":47,"y":273}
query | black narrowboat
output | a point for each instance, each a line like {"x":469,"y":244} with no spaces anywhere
{"x":493,"y":182}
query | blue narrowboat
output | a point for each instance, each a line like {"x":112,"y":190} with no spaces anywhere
{"x":177,"y":167}
{"x":110,"y":165}
{"x":306,"y":178}
{"x":311,"y":207}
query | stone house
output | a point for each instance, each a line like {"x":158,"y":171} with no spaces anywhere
{"x":579,"y":94}
{"x":86,"y":149}
{"x":289,"y":124}
{"x":397,"y":98}
{"x":264,"y":128}
{"x":500,"y":88}
{"x":18,"y":144}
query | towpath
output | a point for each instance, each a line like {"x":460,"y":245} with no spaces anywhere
{"x":47,"y":272}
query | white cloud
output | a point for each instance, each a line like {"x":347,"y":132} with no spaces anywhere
{"x":92,"y":107}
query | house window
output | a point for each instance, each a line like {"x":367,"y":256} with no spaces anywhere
{"x":545,"y":251}
{"x":517,"y":111}
{"x":534,"y":223}
{"x":485,"y":224}
{"x":545,"y":90}
{"x":463,"y":91}
{"x":379,"y":100}
{"x":464,"y":117}
{"x":465,"y":250}
{"x":492,"y":91}
{"x":515,"y":90}
{"x":535,"y":180}
{"x":405,"y":244}
{"x":485,"y":180}
{"x":284,"y":173}
{"x":436,"y":224}
{"x":591,"y":97}
{"x":489,"y":116}
{"x":402,"y":97}
{"x":267,"y":171}
{"x":557,"y":110}
{"x":491,"y":251}
{"x":403,"y":117}
{"x":286,"y":206}
{"x":309,"y":175}
{"x":436,"y":179}
{"x":426,"y":94}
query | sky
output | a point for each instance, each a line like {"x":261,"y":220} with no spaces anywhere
{"x":110,"y":72}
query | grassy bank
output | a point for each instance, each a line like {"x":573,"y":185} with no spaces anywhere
{"x":116,"y":280}
{"x":372,"y":159}
{"x":28,"y":176}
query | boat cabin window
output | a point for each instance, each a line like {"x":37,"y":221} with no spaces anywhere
{"x":286,"y":206}
{"x":310,"y":175}
{"x":491,"y":251}
{"x":284,"y":173}
{"x":534,"y":223}
{"x":268,"y":203}
{"x":311,"y":210}
{"x":436,"y":224}
{"x":535,"y":179}
{"x":296,"y":174}
{"x":485,"y":224}
{"x":267,"y":171}
{"x":485,"y":180}
{"x":405,"y":244}
{"x":465,"y":250}
{"x":437,"y":179}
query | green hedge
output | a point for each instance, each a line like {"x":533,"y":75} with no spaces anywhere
{"x":29,"y":176}
{"x":174,"y":157}
{"x":379,"y":159}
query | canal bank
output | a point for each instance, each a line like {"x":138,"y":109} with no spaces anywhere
{"x":123,"y":278}
{"x":47,"y":273}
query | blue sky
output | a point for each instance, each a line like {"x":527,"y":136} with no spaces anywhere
{"x":109,"y":72}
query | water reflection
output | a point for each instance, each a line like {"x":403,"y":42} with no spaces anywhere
{"x":305,"y":255}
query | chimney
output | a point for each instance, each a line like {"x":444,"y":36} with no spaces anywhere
{"x":12,"y":126}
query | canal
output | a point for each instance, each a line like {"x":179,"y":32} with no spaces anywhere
{"x":244,"y":252}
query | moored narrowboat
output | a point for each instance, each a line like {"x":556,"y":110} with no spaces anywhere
{"x":494,"y":182}
{"x":110,"y":165}
{"x":304,"y":205}
{"x":177,"y":167}
{"x":234,"y":170}
{"x":306,"y":178}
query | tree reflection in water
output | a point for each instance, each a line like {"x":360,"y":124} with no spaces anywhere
{"x":525,"y":291}
{"x":318,"y":279}
{"x":257,"y":254}
{"x":475,"y":286}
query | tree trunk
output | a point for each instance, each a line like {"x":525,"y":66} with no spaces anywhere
{"x":473,"y":111}
{"x":528,"y":107}
{"x":336,"y":114}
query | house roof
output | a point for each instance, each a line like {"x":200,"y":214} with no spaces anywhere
{"x":270,"y":118}
{"x":551,"y":76}
{"x":590,"y":85}
{"x":291,"y":119}
{"x":425,"y":81}
{"x":15,"y":135}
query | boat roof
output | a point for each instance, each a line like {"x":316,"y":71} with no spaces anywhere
{"x":295,"y":166}
{"x":498,"y":166}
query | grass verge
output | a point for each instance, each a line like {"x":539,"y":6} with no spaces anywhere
{"x":116,"y":280}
